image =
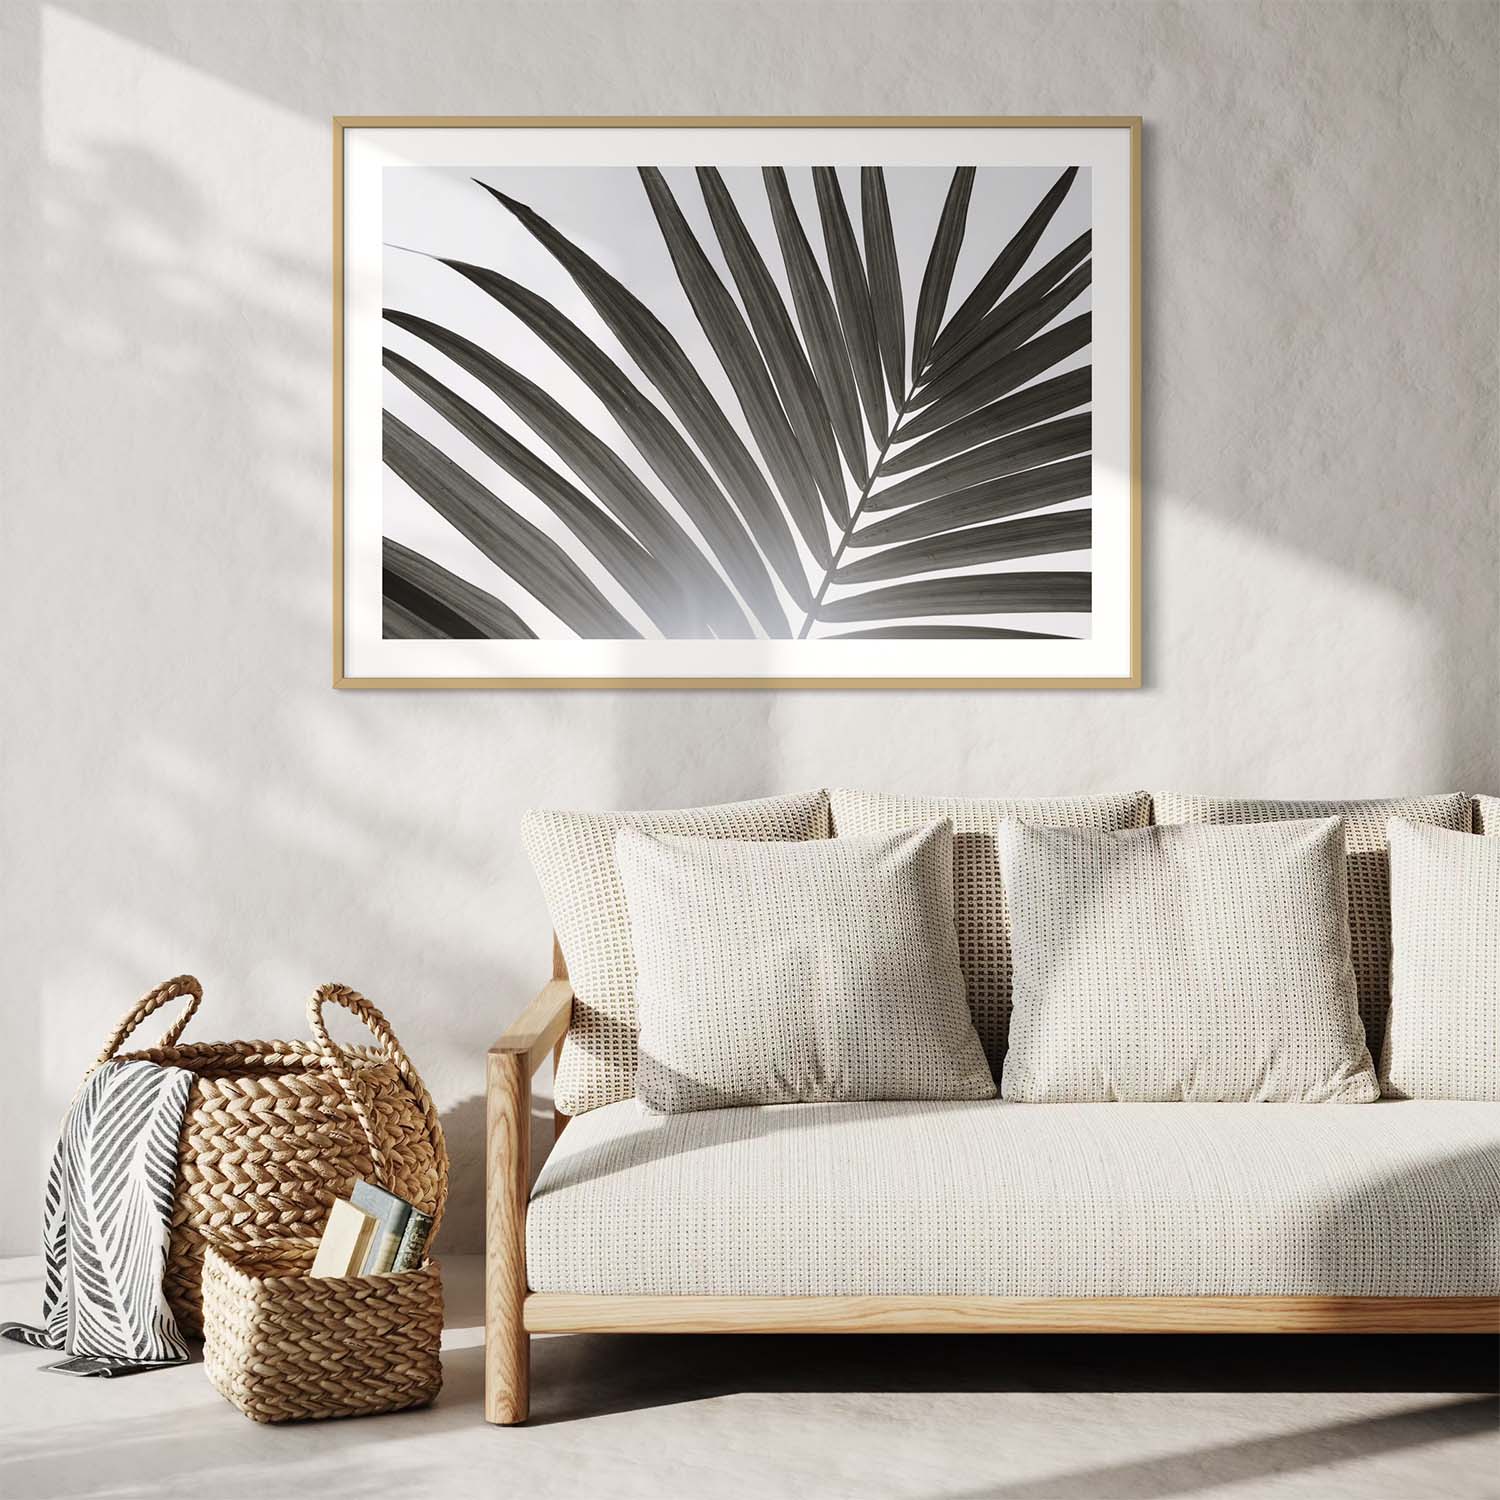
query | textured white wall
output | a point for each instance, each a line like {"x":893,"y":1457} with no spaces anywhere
{"x":182,"y":790}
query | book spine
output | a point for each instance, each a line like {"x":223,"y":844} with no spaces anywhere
{"x":382,"y":1253}
{"x":391,"y":1213}
{"x":345,"y":1241}
{"x":414,"y":1241}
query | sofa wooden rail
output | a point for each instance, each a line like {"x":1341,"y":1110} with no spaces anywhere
{"x":564,"y":1312}
{"x":513,"y":1312}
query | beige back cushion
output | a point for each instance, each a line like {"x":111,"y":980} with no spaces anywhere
{"x":1369,"y":869}
{"x":979,"y":897}
{"x":1171,"y":965}
{"x":1487,"y":815}
{"x":821,"y":972}
{"x":573,"y":854}
{"x":1443,"y":1040}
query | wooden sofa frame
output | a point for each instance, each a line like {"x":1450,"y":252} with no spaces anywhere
{"x":513,"y":1312}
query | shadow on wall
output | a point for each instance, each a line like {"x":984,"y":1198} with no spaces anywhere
{"x":1334,"y":402}
{"x":196,"y":796}
{"x":463,"y":1129}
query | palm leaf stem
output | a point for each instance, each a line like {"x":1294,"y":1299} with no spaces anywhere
{"x":854,"y":516}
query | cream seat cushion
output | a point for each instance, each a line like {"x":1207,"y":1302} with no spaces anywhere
{"x":1369,"y":874}
{"x":1396,"y":1199}
{"x":980,"y":910}
{"x":1208,"y":965}
{"x":812,"y":972}
{"x":1443,"y":1040}
{"x":573,"y":854}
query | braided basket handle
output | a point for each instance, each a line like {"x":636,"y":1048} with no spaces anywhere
{"x":335,"y":1060}
{"x":171,"y":989}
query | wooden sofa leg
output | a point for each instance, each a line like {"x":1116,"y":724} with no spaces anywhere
{"x":507,"y":1376}
{"x":507,"y":1345}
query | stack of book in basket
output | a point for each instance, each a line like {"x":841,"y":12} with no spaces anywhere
{"x":348,"y":1325}
{"x":371,"y":1232}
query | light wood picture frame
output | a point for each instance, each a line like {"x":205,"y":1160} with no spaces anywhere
{"x":715,"y":403}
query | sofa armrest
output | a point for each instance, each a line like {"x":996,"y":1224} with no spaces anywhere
{"x":540,"y":1027}
{"x":508,"y":1072}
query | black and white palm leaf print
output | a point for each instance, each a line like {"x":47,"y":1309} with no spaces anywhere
{"x":882,"y":448}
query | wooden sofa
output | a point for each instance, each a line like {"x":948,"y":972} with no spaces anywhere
{"x":513,"y":1312}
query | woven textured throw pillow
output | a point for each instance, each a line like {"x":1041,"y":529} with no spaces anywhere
{"x":1487,"y":815}
{"x":1369,"y":871}
{"x":1198,"y":964}
{"x":798,"y":973}
{"x":979,"y":896}
{"x":1443,"y":1041}
{"x":573,"y":854}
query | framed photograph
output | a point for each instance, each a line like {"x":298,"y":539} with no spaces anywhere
{"x":737,"y":403}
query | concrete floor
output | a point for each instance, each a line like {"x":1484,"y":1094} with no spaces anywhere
{"x":868,"y":1418}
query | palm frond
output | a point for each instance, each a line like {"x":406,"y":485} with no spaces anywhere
{"x":510,"y":541}
{"x":1010,"y":369}
{"x":626,"y":561}
{"x":937,"y":278}
{"x":1026,"y":449}
{"x":669,"y":369}
{"x":988,"y":438}
{"x":398,"y":623}
{"x":1002,"y":270}
{"x":424,"y":601}
{"x":656,"y":439}
{"x":706,"y":598}
{"x":1010,"y":335}
{"x":819,"y":322}
{"x":851,"y":295}
{"x":944,"y":633}
{"x":1013,"y":304}
{"x":732,"y":342}
{"x":1033,"y":489}
{"x":970,"y":594}
{"x":772,"y":324}
{"x":1047,"y":398}
{"x":885,"y":279}
{"x":1031,"y":536}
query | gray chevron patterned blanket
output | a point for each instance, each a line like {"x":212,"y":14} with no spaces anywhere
{"x":105,"y":1225}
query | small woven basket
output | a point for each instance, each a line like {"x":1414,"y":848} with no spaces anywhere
{"x":274,"y":1131}
{"x":284,"y":1346}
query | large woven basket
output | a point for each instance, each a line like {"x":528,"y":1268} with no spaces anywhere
{"x":274,"y":1131}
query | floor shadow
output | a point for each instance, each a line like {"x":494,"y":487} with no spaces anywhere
{"x":1195,"y":1470}
{"x":584,"y":1375}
